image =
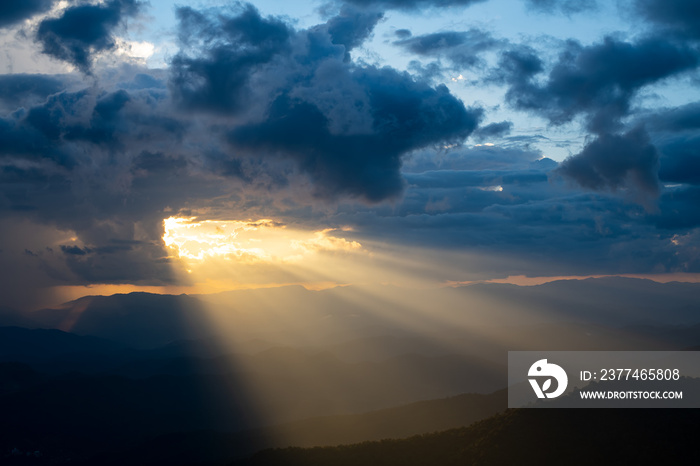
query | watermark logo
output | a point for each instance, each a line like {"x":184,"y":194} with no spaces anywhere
{"x":546,"y":372}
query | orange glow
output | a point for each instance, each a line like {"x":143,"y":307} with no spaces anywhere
{"x":247,"y":241}
{"x":522,"y":280}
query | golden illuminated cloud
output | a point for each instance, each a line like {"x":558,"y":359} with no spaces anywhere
{"x":262,"y":240}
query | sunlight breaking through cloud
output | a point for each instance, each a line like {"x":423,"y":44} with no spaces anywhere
{"x":257,"y":241}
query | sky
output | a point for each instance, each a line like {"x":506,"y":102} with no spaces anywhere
{"x":422,"y":143}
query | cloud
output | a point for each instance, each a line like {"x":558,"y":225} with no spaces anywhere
{"x":324,"y":242}
{"x":258,"y":119}
{"x":352,"y":26}
{"x":679,"y":213}
{"x":15,"y":12}
{"x":98,"y":167}
{"x":31,"y":137}
{"x":473,"y":158}
{"x":566,"y":7}
{"x":88,"y":162}
{"x":84,"y":30}
{"x":685,"y":117}
{"x":411,"y":5}
{"x":534,"y":224}
{"x":677,"y":17}
{"x":407,"y":115}
{"x":482,"y":178}
{"x":674,"y":132}
{"x":460,"y":48}
{"x":616,"y":162}
{"x":18,"y":90}
{"x":493,"y":130}
{"x":116,"y":261}
{"x":680,"y":160}
{"x":219,"y":56}
{"x":517,"y":68}
{"x":51,"y":130}
{"x":598,"y":81}
{"x":403,"y":33}
{"x":345,"y":125}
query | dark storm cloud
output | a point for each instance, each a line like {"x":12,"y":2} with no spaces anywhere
{"x":472,"y":180}
{"x":154,"y":162}
{"x":567,"y":7}
{"x":517,"y":68}
{"x":100,"y":118}
{"x":493,"y":130}
{"x":536,"y":228}
{"x":228,"y":50}
{"x":678,"y":17}
{"x":143,"y":81}
{"x":87,"y":162}
{"x":41,"y":131}
{"x":411,"y":5}
{"x":75,"y":250}
{"x":679,"y":212}
{"x":533,"y":221}
{"x":352,"y":26}
{"x":104,"y":121}
{"x":17,"y":90}
{"x":405,"y":115}
{"x":116,"y":261}
{"x":403,"y":33}
{"x":460,"y":48}
{"x":680,"y":160}
{"x":598,"y":81}
{"x":346,"y":126}
{"x":83,"y":30}
{"x":615,"y":162}
{"x":273,"y":104}
{"x":452,"y":192}
{"x":675,"y":133}
{"x":31,"y":138}
{"x":519,"y":63}
{"x":253,"y":115}
{"x":12,"y":12}
{"x":685,"y":117}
